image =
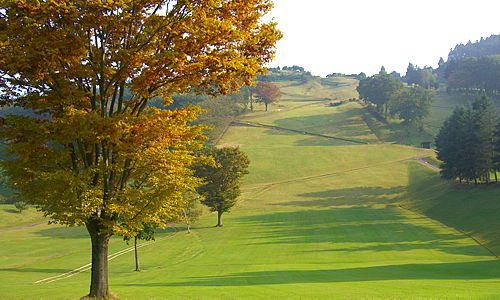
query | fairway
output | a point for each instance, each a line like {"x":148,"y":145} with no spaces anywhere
{"x":318,"y":218}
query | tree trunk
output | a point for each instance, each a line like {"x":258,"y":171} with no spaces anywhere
{"x":496,"y":176}
{"x":251,"y":99}
{"x":189,"y":229}
{"x":99,"y":274}
{"x":266,"y":106}
{"x":219,"y":215}
{"x":136,"y":255}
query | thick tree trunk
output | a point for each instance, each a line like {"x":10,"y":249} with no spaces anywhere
{"x":136,"y":255}
{"x":219,"y":220}
{"x":99,"y":274}
{"x":496,"y":176}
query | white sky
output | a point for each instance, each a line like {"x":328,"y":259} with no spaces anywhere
{"x":353,"y":36}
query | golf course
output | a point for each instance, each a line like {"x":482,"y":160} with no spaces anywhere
{"x":333,"y":207}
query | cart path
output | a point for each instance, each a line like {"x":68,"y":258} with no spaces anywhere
{"x":421,"y":160}
{"x":23,"y":227}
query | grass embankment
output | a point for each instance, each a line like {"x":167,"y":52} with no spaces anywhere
{"x":471,"y":209}
{"x":318,"y":218}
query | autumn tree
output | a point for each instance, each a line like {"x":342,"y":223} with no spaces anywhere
{"x":222,"y":182}
{"x":267,"y":93}
{"x":95,"y":154}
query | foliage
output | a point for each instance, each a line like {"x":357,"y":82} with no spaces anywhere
{"x":379,"y":89}
{"x":192,"y":212}
{"x":21,"y":205}
{"x":95,"y":156}
{"x":423,"y":77}
{"x":483,"y":47}
{"x":267,"y":93}
{"x":222,"y":183}
{"x":465,"y":142}
{"x":471,"y":75}
{"x":412,"y":105}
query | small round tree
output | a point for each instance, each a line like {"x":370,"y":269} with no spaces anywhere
{"x":222,"y":182}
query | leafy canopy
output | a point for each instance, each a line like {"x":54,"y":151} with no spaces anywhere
{"x":95,"y":152}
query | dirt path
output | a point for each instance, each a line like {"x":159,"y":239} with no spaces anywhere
{"x":23,"y":227}
{"x":421,"y":160}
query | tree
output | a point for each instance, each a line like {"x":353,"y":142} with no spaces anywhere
{"x":191,"y":214}
{"x":222,"y":183}
{"x":267,"y":93}
{"x":412,"y":105}
{"x":496,"y":148}
{"x":147,"y":233}
{"x":21,"y":205}
{"x":465,"y":142}
{"x":95,"y":154}
{"x":379,"y":89}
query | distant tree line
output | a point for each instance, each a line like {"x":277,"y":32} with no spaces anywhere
{"x":293,"y":73}
{"x":483,"y":47}
{"x":470,"y":75}
{"x":473,"y":67}
{"x":468,"y":143}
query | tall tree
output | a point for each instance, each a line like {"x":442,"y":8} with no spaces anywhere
{"x":222,"y":182}
{"x":483,"y":133}
{"x":96,"y":155}
{"x":496,"y":148}
{"x":267,"y":93}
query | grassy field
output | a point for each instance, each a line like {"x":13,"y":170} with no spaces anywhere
{"x":318,"y":218}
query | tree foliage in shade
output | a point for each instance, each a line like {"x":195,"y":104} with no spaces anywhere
{"x":222,"y":182}
{"x":267,"y":93}
{"x":94,"y":155}
{"x":496,"y":151}
{"x":412,"y":105}
{"x":379,"y":89}
{"x":424,"y":77}
{"x":465,"y":142}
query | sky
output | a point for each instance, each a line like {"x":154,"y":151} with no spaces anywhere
{"x":353,"y":36}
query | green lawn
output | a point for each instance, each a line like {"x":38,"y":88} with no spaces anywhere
{"x":317,"y":218}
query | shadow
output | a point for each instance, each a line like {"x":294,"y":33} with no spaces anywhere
{"x":351,"y":196}
{"x":477,"y":270}
{"x":64,"y":232}
{"x":345,"y":123}
{"x":470,"y":209}
{"x":355,"y":229}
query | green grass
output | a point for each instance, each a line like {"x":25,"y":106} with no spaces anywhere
{"x":10,"y":216}
{"x":317,"y":218}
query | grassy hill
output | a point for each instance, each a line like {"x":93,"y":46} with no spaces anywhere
{"x":318,"y":218}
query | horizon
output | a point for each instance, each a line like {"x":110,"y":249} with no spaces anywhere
{"x":393,"y":36}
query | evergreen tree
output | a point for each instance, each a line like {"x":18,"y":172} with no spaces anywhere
{"x":484,"y":119}
{"x":496,"y":148}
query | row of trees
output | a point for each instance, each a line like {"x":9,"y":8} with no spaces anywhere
{"x":94,"y":156}
{"x":468,"y":143}
{"x":472,"y":75}
{"x":410,"y":104}
{"x":483,"y":47}
{"x":424,"y":77}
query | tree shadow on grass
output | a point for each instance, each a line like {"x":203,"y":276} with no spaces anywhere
{"x":364,"y":196}
{"x":476,"y":270}
{"x":356,"y":229}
